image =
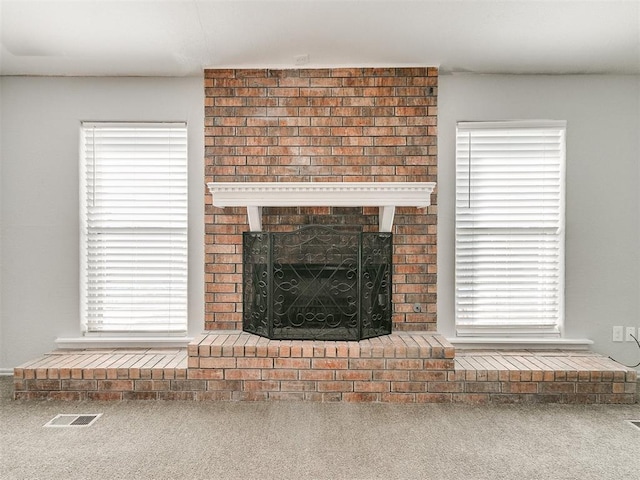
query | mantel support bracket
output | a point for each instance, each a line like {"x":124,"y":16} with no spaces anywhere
{"x":385,"y":217}
{"x":254,"y":213}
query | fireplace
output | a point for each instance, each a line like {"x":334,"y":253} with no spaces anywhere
{"x":318,"y":283}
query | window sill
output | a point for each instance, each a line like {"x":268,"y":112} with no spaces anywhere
{"x":122,"y":341}
{"x":506,"y":343}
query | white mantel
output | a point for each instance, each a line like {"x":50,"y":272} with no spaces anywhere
{"x":384,"y":195}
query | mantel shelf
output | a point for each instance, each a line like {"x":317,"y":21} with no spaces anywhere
{"x":384,"y":195}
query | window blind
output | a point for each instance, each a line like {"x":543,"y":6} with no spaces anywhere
{"x":134,"y":227}
{"x":510,"y":228}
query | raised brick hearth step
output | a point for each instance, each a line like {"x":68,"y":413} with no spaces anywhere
{"x":548,"y":376}
{"x":401,"y":367}
{"x":397,"y":345}
{"x":410,"y":367}
{"x":104,"y":374}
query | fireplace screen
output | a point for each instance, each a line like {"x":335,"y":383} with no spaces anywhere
{"x":317,"y":283}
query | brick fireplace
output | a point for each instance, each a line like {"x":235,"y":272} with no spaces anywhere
{"x":273,"y":131}
{"x":328,"y":125}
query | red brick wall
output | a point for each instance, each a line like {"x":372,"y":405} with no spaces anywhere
{"x":354,"y":124}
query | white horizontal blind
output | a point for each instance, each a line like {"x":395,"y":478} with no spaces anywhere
{"x":134,"y":227}
{"x":510,"y":228}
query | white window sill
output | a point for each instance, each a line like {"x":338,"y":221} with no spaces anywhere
{"x":506,"y":343}
{"x":122,"y":341}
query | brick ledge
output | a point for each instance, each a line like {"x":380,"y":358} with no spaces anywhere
{"x":226,"y":343}
{"x":241,"y":367}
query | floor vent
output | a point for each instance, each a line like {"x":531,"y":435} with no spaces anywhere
{"x":67,"y":420}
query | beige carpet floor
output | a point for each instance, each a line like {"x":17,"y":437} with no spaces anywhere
{"x":190,"y":440}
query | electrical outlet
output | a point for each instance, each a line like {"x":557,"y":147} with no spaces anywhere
{"x":618,"y":334}
{"x":629,"y":333}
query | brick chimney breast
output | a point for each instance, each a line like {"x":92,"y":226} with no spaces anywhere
{"x":322,"y":125}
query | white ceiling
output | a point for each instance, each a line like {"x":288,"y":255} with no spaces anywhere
{"x":181,"y":37}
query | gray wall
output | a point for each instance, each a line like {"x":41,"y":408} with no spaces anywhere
{"x":40,"y":201}
{"x":39,"y":238}
{"x":602,"y":201}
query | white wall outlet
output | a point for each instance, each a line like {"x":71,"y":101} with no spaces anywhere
{"x":629,"y":333}
{"x":617,"y":334}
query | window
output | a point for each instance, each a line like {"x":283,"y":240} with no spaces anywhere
{"x":510,"y":228}
{"x":133,"y":223}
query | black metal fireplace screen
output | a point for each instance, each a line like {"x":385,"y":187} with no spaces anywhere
{"x":317,"y":283}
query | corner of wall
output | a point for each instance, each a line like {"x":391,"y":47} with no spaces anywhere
{"x":2,"y":349}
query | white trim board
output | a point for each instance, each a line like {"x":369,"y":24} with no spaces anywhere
{"x":117,"y":342}
{"x":506,"y":343}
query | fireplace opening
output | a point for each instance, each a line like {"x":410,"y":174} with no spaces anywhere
{"x":317,"y":282}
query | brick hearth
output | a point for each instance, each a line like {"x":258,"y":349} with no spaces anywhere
{"x":407,"y":367}
{"x":393,"y":368}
